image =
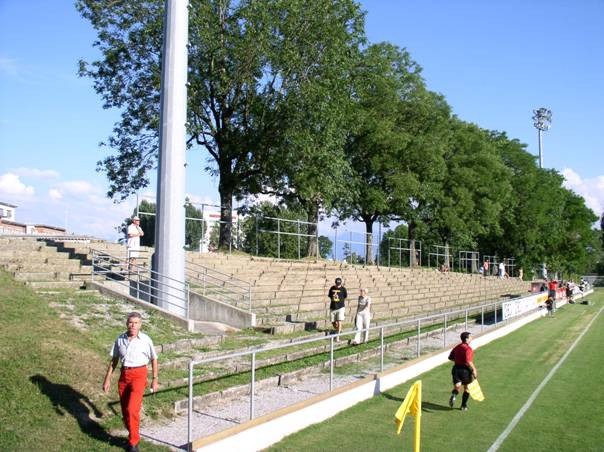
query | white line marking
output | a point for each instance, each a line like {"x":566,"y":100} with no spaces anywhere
{"x":497,"y":444}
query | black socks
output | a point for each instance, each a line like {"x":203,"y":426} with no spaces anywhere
{"x":464,"y":399}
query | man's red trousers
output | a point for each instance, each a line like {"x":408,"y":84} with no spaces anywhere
{"x":131,"y":388}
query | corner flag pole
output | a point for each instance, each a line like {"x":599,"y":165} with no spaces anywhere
{"x":412,"y":404}
{"x":418,"y":419}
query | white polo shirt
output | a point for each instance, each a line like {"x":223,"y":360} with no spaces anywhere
{"x":133,"y":353}
{"x":134,"y":242}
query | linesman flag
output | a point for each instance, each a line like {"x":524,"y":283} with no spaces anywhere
{"x":475,"y":391}
{"x":412,"y":405}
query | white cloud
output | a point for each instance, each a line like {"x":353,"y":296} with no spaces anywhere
{"x":11,"y":185}
{"x":592,"y":190}
{"x":77,"y":188}
{"x":54,"y":194}
{"x":78,"y":205}
{"x":36,"y":173}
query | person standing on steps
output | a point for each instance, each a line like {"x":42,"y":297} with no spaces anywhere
{"x":337,"y":295}
{"x":134,"y":350}
{"x":463,"y":371}
{"x":133,"y":244}
{"x":363,"y":317}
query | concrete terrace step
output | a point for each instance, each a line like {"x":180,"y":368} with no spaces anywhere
{"x":54,"y":285}
{"x":67,"y":266}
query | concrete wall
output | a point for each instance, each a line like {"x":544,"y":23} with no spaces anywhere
{"x":208,"y":310}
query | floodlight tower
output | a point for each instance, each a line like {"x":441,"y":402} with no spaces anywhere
{"x":542,"y":119}
{"x":169,"y":259}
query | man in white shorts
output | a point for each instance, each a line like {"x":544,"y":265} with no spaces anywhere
{"x":337,"y":295}
{"x":134,"y":240}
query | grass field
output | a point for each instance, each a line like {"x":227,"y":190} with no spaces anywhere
{"x":567,"y":415}
{"x":50,"y":379}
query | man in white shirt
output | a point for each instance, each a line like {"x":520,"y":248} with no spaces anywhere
{"x":134,"y":350}
{"x":134,"y":240}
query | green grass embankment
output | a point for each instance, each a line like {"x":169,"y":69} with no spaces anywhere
{"x":51,"y":375}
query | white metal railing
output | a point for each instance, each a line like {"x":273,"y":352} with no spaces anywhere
{"x":218,"y":285}
{"x":279,"y":232}
{"x":142,"y":282}
{"x":413,"y":250}
{"x":416,"y":323}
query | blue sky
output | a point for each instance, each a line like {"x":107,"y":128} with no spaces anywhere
{"x":494,"y":62}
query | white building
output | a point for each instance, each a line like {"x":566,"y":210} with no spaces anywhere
{"x":9,"y":225}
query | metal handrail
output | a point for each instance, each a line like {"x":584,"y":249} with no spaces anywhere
{"x":287,"y":220}
{"x":239,"y":290}
{"x":156,"y":284}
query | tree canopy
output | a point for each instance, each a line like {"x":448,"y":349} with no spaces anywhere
{"x":287,"y":98}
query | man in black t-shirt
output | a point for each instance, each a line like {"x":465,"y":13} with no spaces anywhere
{"x":337,"y":295}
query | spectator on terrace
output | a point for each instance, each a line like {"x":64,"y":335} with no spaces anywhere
{"x":486,"y":266}
{"x":134,"y":240}
{"x":337,"y":295}
{"x":363,"y":317}
{"x":552,"y":286}
{"x":501,"y":270}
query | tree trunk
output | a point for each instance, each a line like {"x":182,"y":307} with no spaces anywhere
{"x":414,"y":256}
{"x":368,"y":220}
{"x":312,"y":248}
{"x":226,"y":214}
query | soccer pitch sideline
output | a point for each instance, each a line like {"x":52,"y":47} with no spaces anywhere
{"x":540,"y":395}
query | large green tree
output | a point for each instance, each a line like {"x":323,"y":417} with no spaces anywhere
{"x":474,"y":191}
{"x":395,"y":144}
{"x":309,"y":169}
{"x":252,"y":64}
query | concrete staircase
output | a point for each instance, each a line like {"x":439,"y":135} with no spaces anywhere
{"x":45,"y":263}
{"x":40,"y":266}
{"x":292,"y":294}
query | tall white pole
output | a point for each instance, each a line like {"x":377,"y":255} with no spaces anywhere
{"x":169,"y":259}
{"x":540,"y":148}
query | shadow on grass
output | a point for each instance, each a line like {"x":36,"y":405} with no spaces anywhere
{"x":389,"y":396}
{"x":429,"y":406}
{"x":426,"y":406}
{"x":67,"y":400}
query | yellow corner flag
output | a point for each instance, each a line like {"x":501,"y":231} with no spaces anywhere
{"x":413,"y":405}
{"x":475,"y":391}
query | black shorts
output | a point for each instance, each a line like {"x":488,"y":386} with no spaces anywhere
{"x":461,"y":374}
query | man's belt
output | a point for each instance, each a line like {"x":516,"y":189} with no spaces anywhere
{"x":135,"y":367}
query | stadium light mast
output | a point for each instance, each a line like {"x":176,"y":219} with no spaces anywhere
{"x":169,"y":259}
{"x":542,"y":119}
